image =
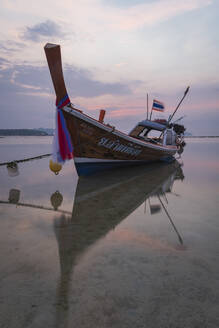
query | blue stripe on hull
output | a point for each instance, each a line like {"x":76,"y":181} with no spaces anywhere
{"x":94,"y":167}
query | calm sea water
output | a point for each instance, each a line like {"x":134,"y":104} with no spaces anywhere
{"x":135,"y":247}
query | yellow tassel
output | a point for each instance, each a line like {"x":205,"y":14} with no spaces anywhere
{"x":55,"y":167}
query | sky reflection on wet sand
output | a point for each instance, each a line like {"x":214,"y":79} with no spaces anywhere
{"x":112,"y":262}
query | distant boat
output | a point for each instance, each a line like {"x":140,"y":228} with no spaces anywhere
{"x":98,"y":145}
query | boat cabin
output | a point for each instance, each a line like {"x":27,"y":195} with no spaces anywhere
{"x":154,"y":132}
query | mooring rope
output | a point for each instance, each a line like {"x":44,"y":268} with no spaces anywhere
{"x":25,"y":159}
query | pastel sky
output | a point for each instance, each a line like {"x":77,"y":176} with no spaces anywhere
{"x":114,"y":52}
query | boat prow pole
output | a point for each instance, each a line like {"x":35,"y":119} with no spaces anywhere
{"x":53,"y":55}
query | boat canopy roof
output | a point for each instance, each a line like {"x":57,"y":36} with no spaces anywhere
{"x":152,"y":125}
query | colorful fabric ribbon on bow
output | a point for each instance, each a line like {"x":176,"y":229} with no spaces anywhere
{"x":62,"y":146}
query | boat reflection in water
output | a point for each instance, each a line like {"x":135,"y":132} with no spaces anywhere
{"x":101,"y":203}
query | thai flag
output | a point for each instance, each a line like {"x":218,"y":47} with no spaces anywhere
{"x":158,"y":105}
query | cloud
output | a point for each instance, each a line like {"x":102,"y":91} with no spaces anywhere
{"x":126,"y":3}
{"x":141,"y":14}
{"x":4,"y":63}
{"x":8,"y":47}
{"x":27,"y":95}
{"x":43,"y":30}
{"x":81,"y":84}
{"x":27,"y":100}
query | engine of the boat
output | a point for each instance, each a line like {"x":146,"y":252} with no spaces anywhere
{"x":179,"y":130}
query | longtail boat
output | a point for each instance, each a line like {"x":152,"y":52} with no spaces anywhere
{"x":97,"y":145}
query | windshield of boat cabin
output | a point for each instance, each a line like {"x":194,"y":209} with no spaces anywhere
{"x":150,"y":134}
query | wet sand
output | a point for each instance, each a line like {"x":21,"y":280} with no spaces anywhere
{"x":102,"y":252}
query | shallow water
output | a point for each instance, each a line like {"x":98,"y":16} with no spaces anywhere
{"x":135,"y":247}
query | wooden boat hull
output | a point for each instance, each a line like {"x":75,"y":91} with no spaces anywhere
{"x":98,"y":146}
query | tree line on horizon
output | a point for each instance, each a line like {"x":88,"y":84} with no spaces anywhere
{"x":23,"y":132}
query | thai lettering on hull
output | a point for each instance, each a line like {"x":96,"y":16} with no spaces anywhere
{"x":117,"y":146}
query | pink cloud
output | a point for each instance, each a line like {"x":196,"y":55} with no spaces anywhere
{"x":152,"y":13}
{"x":204,"y":105}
